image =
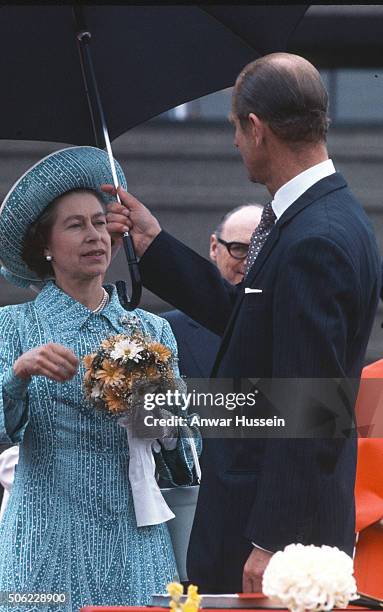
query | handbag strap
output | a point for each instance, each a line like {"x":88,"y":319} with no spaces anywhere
{"x":197,"y":465}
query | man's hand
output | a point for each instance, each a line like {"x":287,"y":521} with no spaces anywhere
{"x":253,"y":570}
{"x":131,"y":215}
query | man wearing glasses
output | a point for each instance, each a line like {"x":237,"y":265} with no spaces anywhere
{"x":229,"y":244}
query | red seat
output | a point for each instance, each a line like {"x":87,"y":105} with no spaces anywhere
{"x":368,"y":564}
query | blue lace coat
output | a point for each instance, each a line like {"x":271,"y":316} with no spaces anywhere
{"x":70,"y":525}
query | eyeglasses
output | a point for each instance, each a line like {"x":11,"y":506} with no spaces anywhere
{"x":238,"y":250}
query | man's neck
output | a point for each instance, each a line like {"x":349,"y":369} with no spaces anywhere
{"x":287,"y":165}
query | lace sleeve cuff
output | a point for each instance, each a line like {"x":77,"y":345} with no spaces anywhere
{"x":15,"y":387}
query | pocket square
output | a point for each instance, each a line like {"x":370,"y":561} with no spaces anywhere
{"x":250,"y":290}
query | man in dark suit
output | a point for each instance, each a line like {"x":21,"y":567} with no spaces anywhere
{"x":304,"y":309}
{"x":229,"y":244}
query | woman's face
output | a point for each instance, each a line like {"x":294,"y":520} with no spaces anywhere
{"x":79,"y":242}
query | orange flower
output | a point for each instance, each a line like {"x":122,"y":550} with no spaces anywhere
{"x":131,"y":379}
{"x":114,"y":402}
{"x":110,"y":373}
{"x":88,"y":360}
{"x":88,"y":378}
{"x":161,"y":352}
{"x":150,"y":372}
{"x":107,"y":343}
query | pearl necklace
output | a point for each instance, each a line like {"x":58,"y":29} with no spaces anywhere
{"x":103,"y":303}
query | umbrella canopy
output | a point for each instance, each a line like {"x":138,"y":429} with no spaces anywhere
{"x":136,"y":62}
{"x":147,"y":59}
{"x":340,"y":36}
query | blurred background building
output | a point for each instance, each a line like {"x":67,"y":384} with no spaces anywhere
{"x":183,"y":164}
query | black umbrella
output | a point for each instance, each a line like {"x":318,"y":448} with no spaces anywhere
{"x":135,"y":61}
{"x":340,"y":36}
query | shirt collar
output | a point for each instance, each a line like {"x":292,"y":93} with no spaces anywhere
{"x":293,"y":189}
{"x":68,"y":315}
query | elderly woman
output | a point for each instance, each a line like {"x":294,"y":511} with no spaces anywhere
{"x":75,"y":523}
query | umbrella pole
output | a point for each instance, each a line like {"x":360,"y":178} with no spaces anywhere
{"x":94,"y":101}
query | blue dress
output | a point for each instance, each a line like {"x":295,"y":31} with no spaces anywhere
{"x":70,"y":524}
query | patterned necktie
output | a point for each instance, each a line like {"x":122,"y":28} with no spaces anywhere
{"x":260,"y":234}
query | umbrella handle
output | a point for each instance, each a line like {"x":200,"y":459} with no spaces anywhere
{"x":95,"y":104}
{"x":134,"y":274}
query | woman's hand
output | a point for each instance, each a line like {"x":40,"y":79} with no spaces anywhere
{"x":51,"y":360}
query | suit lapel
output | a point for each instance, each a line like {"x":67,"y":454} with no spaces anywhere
{"x":321,"y":188}
{"x":272,"y":239}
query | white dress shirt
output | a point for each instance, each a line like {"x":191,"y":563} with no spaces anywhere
{"x":293,"y":189}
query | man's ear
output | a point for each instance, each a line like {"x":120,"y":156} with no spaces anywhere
{"x":257,"y":127}
{"x":213,"y":247}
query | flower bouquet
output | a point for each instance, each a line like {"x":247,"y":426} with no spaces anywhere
{"x":117,"y":377}
{"x":123,"y":366}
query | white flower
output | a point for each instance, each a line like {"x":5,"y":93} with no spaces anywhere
{"x":310,"y":578}
{"x":127,"y":349}
{"x":96,"y":391}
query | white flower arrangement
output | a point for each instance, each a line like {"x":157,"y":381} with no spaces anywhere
{"x":127,"y":349}
{"x":310,"y":578}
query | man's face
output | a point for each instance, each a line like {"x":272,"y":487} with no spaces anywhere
{"x":238,"y":228}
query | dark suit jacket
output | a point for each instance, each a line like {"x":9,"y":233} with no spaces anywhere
{"x":320,"y":274}
{"x":197,"y":346}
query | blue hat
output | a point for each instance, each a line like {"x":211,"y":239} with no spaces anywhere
{"x":51,"y":177}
